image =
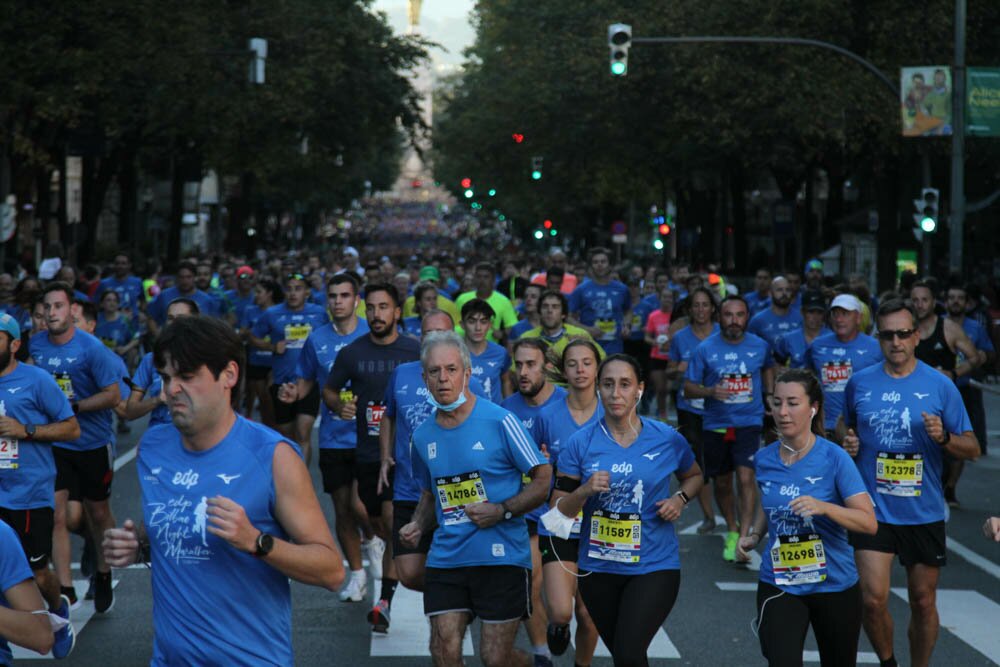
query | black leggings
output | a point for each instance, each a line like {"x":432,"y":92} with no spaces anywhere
{"x":629,"y":609}
{"x":783,"y":620}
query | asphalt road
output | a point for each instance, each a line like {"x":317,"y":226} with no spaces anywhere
{"x":710,"y":624}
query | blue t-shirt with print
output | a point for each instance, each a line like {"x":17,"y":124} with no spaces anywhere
{"x":682,"y":346}
{"x":148,"y":380}
{"x":14,"y":569}
{"x":529,"y":414}
{"x":898,"y":461}
{"x":621,"y":531}
{"x":255,"y":355}
{"x":158,"y":308}
{"x":980,"y":339}
{"x":739,"y":366}
{"x":769,"y":326}
{"x":834,"y":362}
{"x":115,"y":333}
{"x":129,"y":292}
{"x":281,"y":323}
{"x":790,"y":560}
{"x":790,"y":348}
{"x":603,"y":306}
{"x":489,"y":368}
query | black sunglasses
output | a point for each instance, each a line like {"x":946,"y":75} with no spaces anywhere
{"x":902,"y":334}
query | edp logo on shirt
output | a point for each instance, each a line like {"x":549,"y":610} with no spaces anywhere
{"x":891,"y":397}
{"x":186,"y":479}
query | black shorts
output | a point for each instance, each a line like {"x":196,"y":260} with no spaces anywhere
{"x":689,"y":425}
{"x":34,"y":527}
{"x":287,"y":412}
{"x":86,"y":474}
{"x":257,"y":372}
{"x":921,"y":543}
{"x":494,"y":593}
{"x":723,"y":454}
{"x":402,"y":514}
{"x":337,"y":468}
{"x":367,"y":475}
{"x":557,"y":549}
{"x":658,"y":364}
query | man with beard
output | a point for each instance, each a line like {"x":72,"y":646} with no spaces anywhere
{"x":940,"y":338}
{"x":790,"y":349}
{"x":366,"y":365}
{"x":284,"y":329}
{"x":88,"y":374}
{"x":733,"y":371}
{"x":957,"y":303}
{"x":534,"y":393}
{"x":779,"y":318}
{"x":600,"y":303}
{"x":203,"y":281}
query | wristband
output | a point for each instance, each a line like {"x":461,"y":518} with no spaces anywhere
{"x":683,"y":496}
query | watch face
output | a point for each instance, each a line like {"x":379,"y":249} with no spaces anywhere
{"x":264,"y":544}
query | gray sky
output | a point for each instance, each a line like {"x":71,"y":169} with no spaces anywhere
{"x":443,"y":21}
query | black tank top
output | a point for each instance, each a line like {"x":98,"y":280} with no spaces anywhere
{"x":934,"y":350}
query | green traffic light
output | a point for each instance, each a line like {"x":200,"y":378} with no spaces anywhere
{"x":536,"y":175}
{"x":468,"y":194}
{"x":618,"y":68}
{"x":492,"y":192}
{"x":539,"y":234}
{"x":502,"y":217}
{"x":658,"y":244}
{"x":928,"y":224}
{"x":553,"y":232}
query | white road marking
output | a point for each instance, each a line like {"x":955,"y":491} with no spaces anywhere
{"x":864,"y":657}
{"x":743,"y":586}
{"x":968,"y":554}
{"x":660,"y":647}
{"x":970,"y":616}
{"x":126,"y":458}
{"x":409,"y":632}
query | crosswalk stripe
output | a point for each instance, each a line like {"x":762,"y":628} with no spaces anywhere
{"x":409,"y":633}
{"x":968,"y":554}
{"x":970,"y":616}
{"x":864,"y":657}
{"x":79,"y":618}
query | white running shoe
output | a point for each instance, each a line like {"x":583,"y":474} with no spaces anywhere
{"x":374,"y":550}
{"x":356,"y":588}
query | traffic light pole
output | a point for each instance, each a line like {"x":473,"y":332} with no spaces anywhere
{"x":956,"y":219}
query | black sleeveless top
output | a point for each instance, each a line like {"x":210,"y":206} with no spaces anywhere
{"x":934,"y":350}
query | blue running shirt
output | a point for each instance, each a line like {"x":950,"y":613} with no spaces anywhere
{"x":604,"y":307}
{"x":790,"y":349}
{"x":315,"y":362}
{"x":834,"y":362}
{"x":148,"y":380}
{"x":739,"y":366}
{"x":129,"y":292}
{"x":899,"y":463}
{"x":27,"y":468}
{"x":215,"y":605}
{"x":621,"y":532}
{"x":489,"y":368}
{"x":158,"y":308}
{"x":769,"y":326}
{"x":14,"y":569}
{"x":480,"y":460}
{"x":806,"y":555}
{"x":529,"y":415}
{"x":281,"y":323}
{"x":406,"y":403}
{"x":682,"y":346}
{"x":255,"y":356}
{"x":980,"y":338}
{"x":82,"y":367}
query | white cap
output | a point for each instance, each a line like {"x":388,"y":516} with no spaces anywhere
{"x":351,"y":250}
{"x":847,"y":302}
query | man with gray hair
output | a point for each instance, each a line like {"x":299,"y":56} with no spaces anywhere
{"x":468,"y":461}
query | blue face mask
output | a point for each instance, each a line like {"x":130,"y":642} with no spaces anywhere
{"x":450,"y":407}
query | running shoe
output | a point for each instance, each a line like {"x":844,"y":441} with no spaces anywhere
{"x":729,"y":552}
{"x":706,"y":527}
{"x":356,"y":588}
{"x":65,"y":639}
{"x":374,"y":548}
{"x":558,"y":638}
{"x":379,"y":617}
{"x":104,"y":597}
{"x":69,"y":593}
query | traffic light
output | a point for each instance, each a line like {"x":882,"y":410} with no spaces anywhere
{"x":547,"y":224}
{"x":536,"y":168}
{"x":619,"y":41}
{"x":492,"y":192}
{"x":469,"y":193}
{"x":926,"y":216}
{"x":658,"y":243}
{"x":664,"y":229}
{"x":517,"y":137}
{"x":539,"y":234}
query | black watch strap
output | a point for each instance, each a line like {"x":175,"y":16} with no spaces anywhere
{"x":265,"y":543}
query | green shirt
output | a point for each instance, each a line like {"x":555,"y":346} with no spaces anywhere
{"x":504,"y":315}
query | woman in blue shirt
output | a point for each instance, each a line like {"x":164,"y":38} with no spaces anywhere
{"x":628,"y":558}
{"x":811,"y":494}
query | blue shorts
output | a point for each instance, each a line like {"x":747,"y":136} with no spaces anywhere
{"x":724,"y":451}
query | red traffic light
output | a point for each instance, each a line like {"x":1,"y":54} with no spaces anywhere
{"x":518,"y":138}
{"x":664,"y":229}
{"x":466,"y":183}
{"x":547,"y":224}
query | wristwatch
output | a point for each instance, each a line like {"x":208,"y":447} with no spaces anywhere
{"x":29,"y":431}
{"x":507,"y":514}
{"x":265,"y":543}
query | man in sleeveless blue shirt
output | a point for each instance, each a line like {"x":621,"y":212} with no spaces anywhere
{"x":468,"y":461}
{"x":225,"y":502}
{"x":902,"y":416}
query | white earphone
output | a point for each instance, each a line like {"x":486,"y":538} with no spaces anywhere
{"x":814,"y":412}
{"x":639,"y":397}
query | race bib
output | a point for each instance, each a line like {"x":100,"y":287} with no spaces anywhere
{"x":835,"y":374}
{"x":109,"y":343}
{"x":8,"y":454}
{"x":697,"y":403}
{"x":798,"y":559}
{"x":608,"y":328}
{"x":296,"y":334}
{"x":373,"y":417}
{"x":615,"y":536}
{"x":739,"y":386}
{"x":899,"y":474}
{"x":66,"y":385}
{"x":457,"y":491}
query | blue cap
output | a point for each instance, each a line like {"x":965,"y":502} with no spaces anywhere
{"x":814,"y":265}
{"x":10,"y":325}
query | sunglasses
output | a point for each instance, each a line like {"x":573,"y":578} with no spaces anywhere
{"x":902,"y":334}
{"x":295,"y":276}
